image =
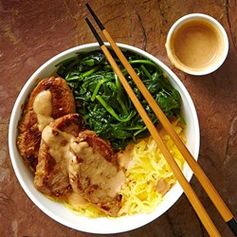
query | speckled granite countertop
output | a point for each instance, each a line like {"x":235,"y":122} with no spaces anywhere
{"x":33,"y":31}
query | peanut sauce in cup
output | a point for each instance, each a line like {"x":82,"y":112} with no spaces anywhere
{"x":197,"y":44}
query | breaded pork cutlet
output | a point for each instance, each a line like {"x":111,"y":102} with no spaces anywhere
{"x":29,"y":132}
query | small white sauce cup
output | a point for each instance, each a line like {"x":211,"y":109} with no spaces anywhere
{"x":222,"y":33}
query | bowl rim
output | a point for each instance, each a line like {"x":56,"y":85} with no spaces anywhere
{"x":13,"y":121}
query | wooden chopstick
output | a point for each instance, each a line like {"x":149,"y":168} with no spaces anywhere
{"x":198,"y":171}
{"x":191,"y":195}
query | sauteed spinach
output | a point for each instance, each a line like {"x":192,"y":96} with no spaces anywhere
{"x":103,"y":102}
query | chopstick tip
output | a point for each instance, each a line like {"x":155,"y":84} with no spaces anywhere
{"x":87,"y":5}
{"x":93,"y":30}
{"x":86,"y":19}
{"x":98,"y":22}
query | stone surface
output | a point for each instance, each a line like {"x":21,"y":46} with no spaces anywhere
{"x":33,"y":31}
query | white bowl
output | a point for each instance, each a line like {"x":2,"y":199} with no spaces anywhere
{"x":58,"y":211}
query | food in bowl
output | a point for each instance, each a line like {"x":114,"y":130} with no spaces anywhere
{"x":44,"y":105}
{"x":59,"y":212}
{"x":86,"y":144}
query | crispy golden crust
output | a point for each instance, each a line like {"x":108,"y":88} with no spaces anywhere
{"x":51,"y":176}
{"x":29,"y":136}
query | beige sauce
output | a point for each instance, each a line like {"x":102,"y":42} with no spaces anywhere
{"x":125,"y":157}
{"x":100,"y":172}
{"x":42,"y":106}
{"x":196,"y":44}
{"x":162,"y":187}
{"x":58,"y":143}
{"x":76,"y":200}
{"x":59,"y":146}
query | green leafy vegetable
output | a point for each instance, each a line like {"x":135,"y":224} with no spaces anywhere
{"x":103,"y":102}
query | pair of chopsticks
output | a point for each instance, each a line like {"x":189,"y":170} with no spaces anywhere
{"x":199,"y":173}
